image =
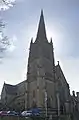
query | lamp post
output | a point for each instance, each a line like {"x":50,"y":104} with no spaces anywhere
{"x":58,"y":104}
{"x":45,"y":97}
{"x":46,"y":102}
{"x":25,"y":95}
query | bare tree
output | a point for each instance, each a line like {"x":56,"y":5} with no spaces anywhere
{"x":8,"y":2}
{"x":4,"y":40}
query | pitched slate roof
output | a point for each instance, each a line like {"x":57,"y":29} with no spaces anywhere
{"x":10,"y":89}
{"x":59,"y":73}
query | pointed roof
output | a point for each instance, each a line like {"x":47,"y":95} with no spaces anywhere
{"x":59,"y":73}
{"x":10,"y":89}
{"x":41,"y":34}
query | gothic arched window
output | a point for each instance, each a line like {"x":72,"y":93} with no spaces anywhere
{"x":33,"y":93}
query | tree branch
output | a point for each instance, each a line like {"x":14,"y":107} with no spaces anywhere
{"x":7,"y":2}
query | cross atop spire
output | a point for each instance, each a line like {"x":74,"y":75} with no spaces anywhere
{"x":41,"y":34}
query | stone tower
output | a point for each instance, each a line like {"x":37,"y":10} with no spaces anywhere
{"x":40,"y":73}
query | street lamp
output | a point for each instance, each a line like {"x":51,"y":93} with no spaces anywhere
{"x":46,"y":102}
{"x":58,"y":104}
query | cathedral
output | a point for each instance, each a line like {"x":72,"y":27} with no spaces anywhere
{"x":46,"y":86}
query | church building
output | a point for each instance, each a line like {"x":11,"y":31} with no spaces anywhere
{"x":46,"y":86}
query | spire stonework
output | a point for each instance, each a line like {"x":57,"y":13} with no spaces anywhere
{"x":41,"y":34}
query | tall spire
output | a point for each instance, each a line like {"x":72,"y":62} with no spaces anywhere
{"x":41,"y":34}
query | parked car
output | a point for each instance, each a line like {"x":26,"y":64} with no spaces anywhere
{"x":13,"y":113}
{"x":2,"y":113}
{"x":35,"y":111}
{"x":26,"y":113}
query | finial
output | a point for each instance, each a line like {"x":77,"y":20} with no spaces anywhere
{"x":31,"y":43}
{"x":73,"y":92}
{"x":41,"y":11}
{"x":4,"y":83}
{"x":32,"y":40}
{"x":58,"y":62}
{"x":51,"y":40}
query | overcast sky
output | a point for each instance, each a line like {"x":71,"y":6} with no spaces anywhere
{"x":62,"y":24}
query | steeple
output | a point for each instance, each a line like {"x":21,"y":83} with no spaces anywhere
{"x":41,"y":34}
